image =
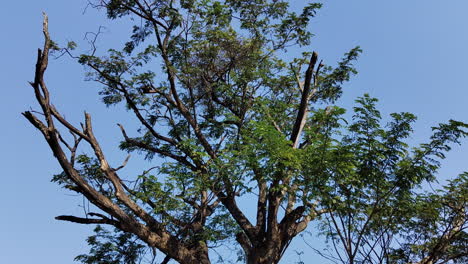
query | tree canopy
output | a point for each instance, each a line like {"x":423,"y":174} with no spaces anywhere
{"x":233,"y":116}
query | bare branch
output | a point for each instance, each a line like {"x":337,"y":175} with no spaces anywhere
{"x":123,"y":164}
{"x":87,"y":221}
{"x":303,"y":107}
{"x":300,"y":84}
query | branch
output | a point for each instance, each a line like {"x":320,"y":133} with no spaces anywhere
{"x":277,"y":127}
{"x":230,"y":203}
{"x":302,"y":225}
{"x":123,"y":164}
{"x":177,"y":102}
{"x":287,"y":224}
{"x":116,"y":181}
{"x":147,"y":147}
{"x":300,"y":84}
{"x":66,"y":124}
{"x":291,"y":198}
{"x":303,"y":107}
{"x":40,"y":88}
{"x":261,"y":206}
{"x":87,"y":221}
{"x":243,"y":241}
{"x":166,"y":260}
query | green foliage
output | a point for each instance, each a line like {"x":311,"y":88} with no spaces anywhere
{"x":330,"y":83}
{"x":71,"y":45}
{"x":368,"y":190}
{"x":113,"y":248}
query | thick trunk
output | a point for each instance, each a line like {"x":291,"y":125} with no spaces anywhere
{"x":199,"y":256}
{"x":202,"y":260}
{"x":266,"y":253}
{"x":263,"y":256}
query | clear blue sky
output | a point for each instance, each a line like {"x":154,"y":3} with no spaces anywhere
{"x":415,"y":59}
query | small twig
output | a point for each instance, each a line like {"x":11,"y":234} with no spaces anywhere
{"x":36,"y":112}
{"x":218,"y":146}
{"x":300,"y":84}
{"x":123,"y":164}
{"x":274,"y":122}
{"x":63,"y":141}
{"x":92,"y":42}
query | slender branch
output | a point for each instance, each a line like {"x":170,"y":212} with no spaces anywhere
{"x":123,"y":164}
{"x":165,"y":153}
{"x":87,"y":221}
{"x":300,"y":84}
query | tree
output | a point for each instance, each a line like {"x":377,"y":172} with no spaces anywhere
{"x":436,"y":231}
{"x":375,"y":210}
{"x":233,"y":119}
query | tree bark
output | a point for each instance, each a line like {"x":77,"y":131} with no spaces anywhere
{"x":266,"y":253}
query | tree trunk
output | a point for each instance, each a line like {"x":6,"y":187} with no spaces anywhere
{"x":266,"y":253}
{"x":200,"y":256}
{"x":263,"y":256}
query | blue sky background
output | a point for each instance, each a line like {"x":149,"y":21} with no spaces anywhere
{"x":415,"y":59}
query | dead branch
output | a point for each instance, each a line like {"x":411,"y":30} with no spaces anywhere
{"x":303,"y":107}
